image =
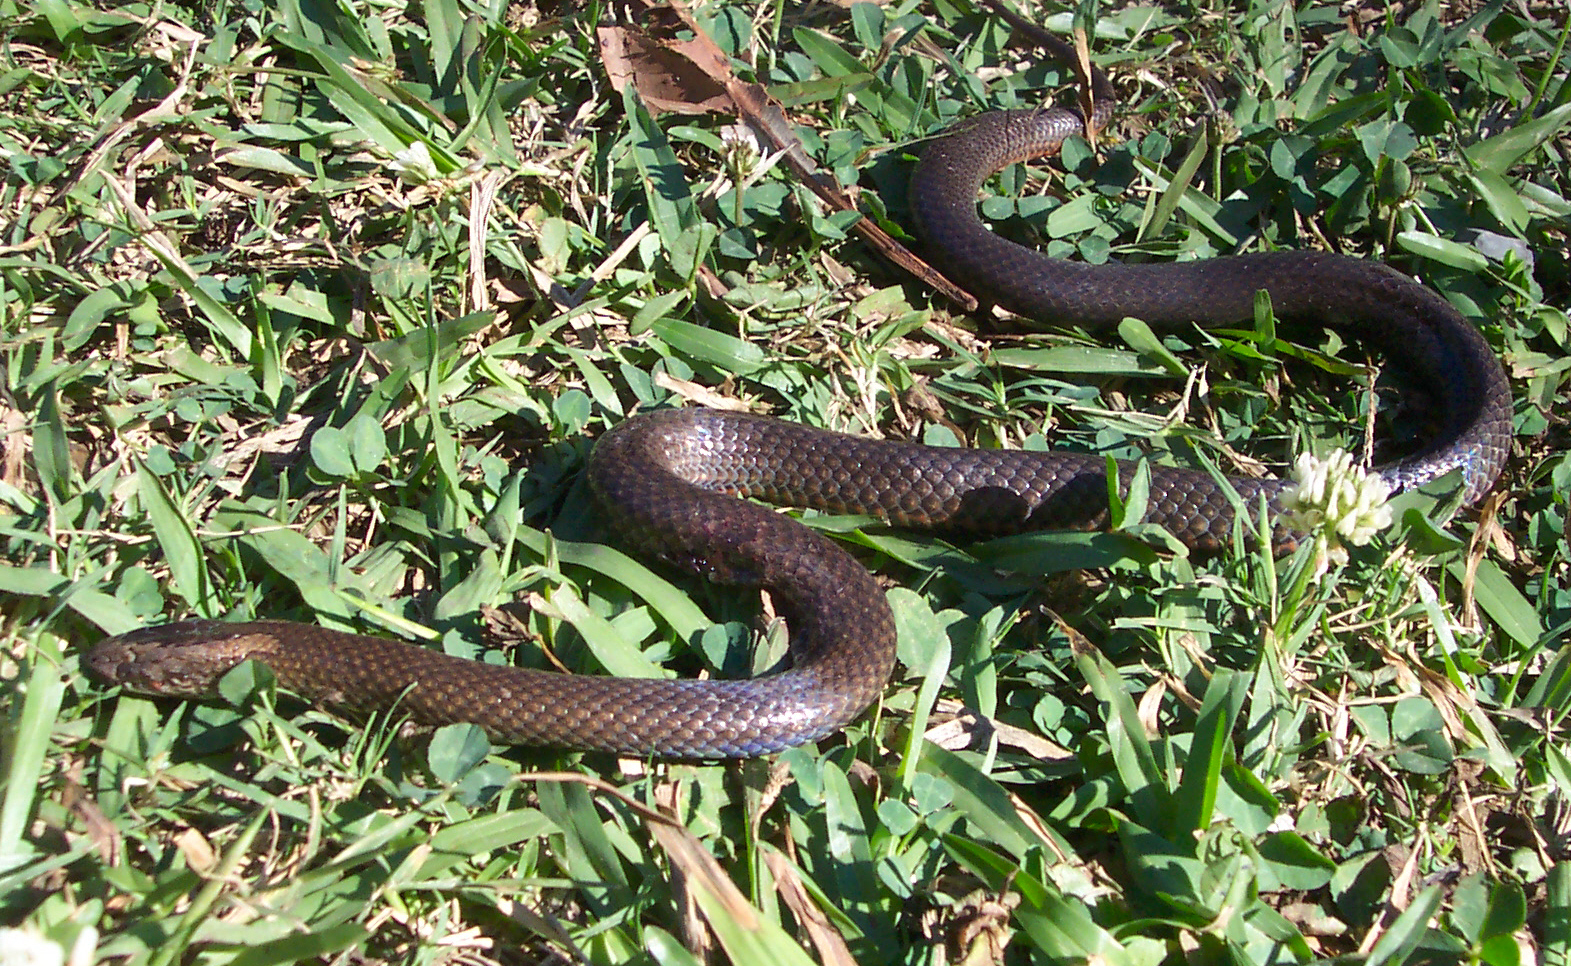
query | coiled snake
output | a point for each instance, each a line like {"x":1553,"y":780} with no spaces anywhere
{"x":670,"y":480}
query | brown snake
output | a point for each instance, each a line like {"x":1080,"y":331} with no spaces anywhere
{"x":670,"y":480}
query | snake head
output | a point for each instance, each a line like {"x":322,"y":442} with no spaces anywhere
{"x":182,"y":660}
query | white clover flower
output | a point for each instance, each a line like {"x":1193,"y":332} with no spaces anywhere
{"x":414,"y":164}
{"x":1336,"y":502}
{"x":742,"y":150}
{"x":25,"y":947}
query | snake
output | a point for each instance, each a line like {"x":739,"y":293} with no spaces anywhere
{"x":680,"y":485}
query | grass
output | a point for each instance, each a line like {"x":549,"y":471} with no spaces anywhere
{"x":264,"y":359}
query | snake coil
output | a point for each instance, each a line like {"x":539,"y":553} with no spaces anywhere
{"x":670,"y":481}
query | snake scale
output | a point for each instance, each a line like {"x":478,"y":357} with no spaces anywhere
{"x":671,"y":481}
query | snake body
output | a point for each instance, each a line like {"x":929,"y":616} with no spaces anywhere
{"x":670,"y":481}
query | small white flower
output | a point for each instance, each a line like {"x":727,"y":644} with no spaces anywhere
{"x":414,"y":164}
{"x":25,"y":947}
{"x":742,"y":150}
{"x":1337,"y":503}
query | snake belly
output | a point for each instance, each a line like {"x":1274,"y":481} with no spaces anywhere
{"x":670,"y":482}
